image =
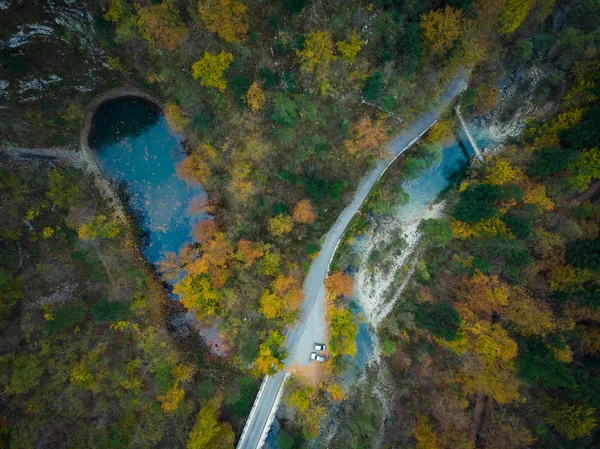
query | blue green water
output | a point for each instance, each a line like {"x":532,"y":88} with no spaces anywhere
{"x":134,"y":146}
{"x":423,"y":190}
{"x":431,"y":181}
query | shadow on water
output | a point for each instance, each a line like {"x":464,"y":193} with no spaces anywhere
{"x":135,"y":148}
{"x":120,"y":118}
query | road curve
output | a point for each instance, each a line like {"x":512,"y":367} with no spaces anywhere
{"x":311,"y":327}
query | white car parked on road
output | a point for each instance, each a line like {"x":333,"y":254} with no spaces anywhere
{"x":317,"y":357}
{"x":320,"y":347}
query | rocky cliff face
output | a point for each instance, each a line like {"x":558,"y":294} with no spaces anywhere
{"x":50,"y":64}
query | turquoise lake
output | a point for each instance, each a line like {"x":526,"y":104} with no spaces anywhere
{"x":134,"y":146}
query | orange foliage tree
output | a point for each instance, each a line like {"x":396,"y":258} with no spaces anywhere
{"x":482,"y":294}
{"x":369,"y":138}
{"x":193,"y":169}
{"x":285,"y":296}
{"x":248,"y":252}
{"x":204,"y":230}
{"x":255,"y":97}
{"x":162,"y":26}
{"x":228,"y":19}
{"x":338,"y":284}
{"x":304,"y":212}
{"x":289,"y":287}
{"x":215,"y":259}
{"x":169,"y":266}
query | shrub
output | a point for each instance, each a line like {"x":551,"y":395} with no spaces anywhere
{"x":293,"y":7}
{"x":267,"y":76}
{"x":239,"y":401}
{"x":373,"y":86}
{"x":288,"y":82}
{"x":441,"y":319}
{"x":584,"y":135}
{"x":584,"y":254}
{"x":537,"y":362}
{"x":511,"y":192}
{"x":239,"y":86}
{"x":65,"y":316}
{"x":280,"y":208}
{"x":388,"y":347}
{"x":477,"y":202}
{"x":510,"y":250}
{"x":570,"y":420}
{"x":549,"y":160}
{"x":203,"y":122}
{"x":109,"y":311}
{"x":26,"y":374}
{"x":437,"y":233}
{"x":284,"y":110}
{"x":518,"y":225}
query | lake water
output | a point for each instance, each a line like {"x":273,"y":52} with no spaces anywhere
{"x":133,"y":145}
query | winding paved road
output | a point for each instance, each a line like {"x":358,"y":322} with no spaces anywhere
{"x":311,"y":327}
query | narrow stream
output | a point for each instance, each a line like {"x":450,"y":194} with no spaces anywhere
{"x":423,"y":191}
{"x":133,"y":145}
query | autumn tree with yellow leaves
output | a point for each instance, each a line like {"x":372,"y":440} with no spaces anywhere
{"x":210,"y":69}
{"x":318,"y":51}
{"x":170,"y":401}
{"x":514,"y":13}
{"x":198,"y":295}
{"x":349,"y":49}
{"x":440,"y":29}
{"x":228,"y":19}
{"x":176,"y":118}
{"x":271,"y":354}
{"x":208,"y":432}
{"x":280,"y":225}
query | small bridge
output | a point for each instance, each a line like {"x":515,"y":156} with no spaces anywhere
{"x":469,"y":136}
